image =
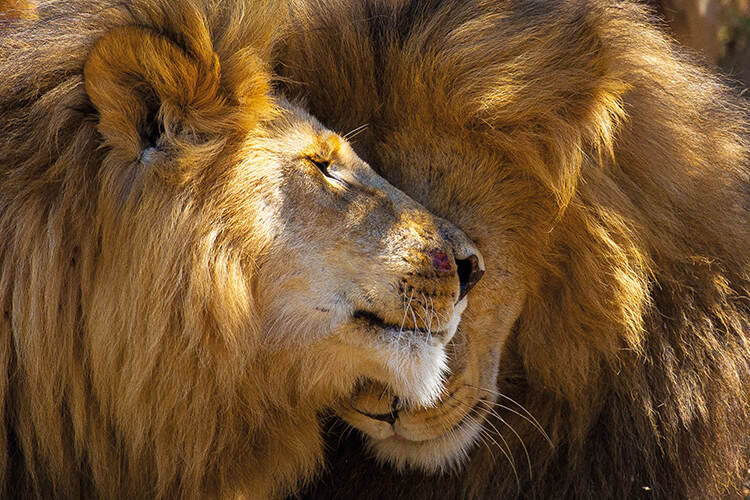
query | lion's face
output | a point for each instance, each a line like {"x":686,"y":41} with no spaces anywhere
{"x":498,"y":208}
{"x":355,"y":271}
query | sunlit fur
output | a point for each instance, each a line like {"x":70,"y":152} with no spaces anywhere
{"x":17,"y":10}
{"x":605,"y":179}
{"x":183,"y":253}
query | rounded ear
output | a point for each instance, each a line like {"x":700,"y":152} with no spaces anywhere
{"x":148,"y":89}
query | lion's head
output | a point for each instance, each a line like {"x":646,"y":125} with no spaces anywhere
{"x":604,"y":178}
{"x":192,"y":267}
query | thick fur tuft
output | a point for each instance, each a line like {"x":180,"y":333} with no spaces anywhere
{"x":76,"y":387}
{"x":633,"y":345}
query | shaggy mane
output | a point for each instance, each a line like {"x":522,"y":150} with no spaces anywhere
{"x":71,"y":403}
{"x":633,"y":349}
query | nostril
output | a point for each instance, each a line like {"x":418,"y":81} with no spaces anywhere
{"x":441,"y":262}
{"x":469,"y":274}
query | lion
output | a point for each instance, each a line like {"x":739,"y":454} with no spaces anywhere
{"x":605,"y":178}
{"x":193,"y":267}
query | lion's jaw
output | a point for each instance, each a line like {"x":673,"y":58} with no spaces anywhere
{"x":430,"y":439}
{"x":438,"y":438}
{"x":411,"y":362}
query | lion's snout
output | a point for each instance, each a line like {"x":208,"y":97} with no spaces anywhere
{"x":430,"y":266}
{"x":468,"y":269}
{"x":438,"y":279}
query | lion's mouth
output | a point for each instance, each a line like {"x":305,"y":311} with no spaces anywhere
{"x":411,"y":358}
{"x":372,"y":320}
{"x":475,"y":414}
{"x":429,"y":452}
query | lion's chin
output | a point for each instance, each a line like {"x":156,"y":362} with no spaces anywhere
{"x":414,"y":362}
{"x":447,"y":452}
{"x":415,"y":369}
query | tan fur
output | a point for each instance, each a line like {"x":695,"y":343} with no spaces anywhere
{"x":605,"y":179}
{"x":17,"y":9}
{"x":192,"y":266}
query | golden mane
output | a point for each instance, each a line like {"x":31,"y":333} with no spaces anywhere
{"x":50,"y":202}
{"x":193,"y":267}
{"x":633,"y":346}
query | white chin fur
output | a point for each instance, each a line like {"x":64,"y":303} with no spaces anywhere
{"x":417,"y":371}
{"x":443,"y":454}
{"x":416,"y":362}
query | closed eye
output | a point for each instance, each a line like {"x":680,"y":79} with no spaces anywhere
{"x":324,"y":166}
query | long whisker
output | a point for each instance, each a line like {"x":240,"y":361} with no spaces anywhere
{"x":486,"y":438}
{"x":505,"y":442}
{"x":486,"y":444}
{"x":414,"y":317}
{"x":506,"y":451}
{"x":423,"y":318}
{"x":532,"y":422}
{"x":440,"y":317}
{"x":406,"y":311}
{"x":355,"y":132}
{"x":385,"y":389}
{"x":529,"y":418}
{"x":428,"y":315}
{"x":505,"y":422}
{"x":462,"y":451}
{"x":437,"y":315}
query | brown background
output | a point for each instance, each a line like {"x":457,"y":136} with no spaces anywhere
{"x":719,"y":30}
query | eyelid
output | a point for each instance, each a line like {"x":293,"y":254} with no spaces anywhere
{"x":323,"y":166}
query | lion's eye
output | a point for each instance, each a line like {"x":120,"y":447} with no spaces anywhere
{"x":322,"y":165}
{"x":331,"y":175}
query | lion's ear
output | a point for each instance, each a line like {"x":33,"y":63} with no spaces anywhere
{"x":151,"y":91}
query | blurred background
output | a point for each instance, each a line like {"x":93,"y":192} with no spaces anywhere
{"x":719,"y":30}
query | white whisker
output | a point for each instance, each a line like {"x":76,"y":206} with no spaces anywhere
{"x":355,"y":132}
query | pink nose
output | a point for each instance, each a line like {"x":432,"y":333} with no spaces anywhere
{"x":441,"y":262}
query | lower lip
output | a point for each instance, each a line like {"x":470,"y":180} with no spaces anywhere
{"x":399,"y":437}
